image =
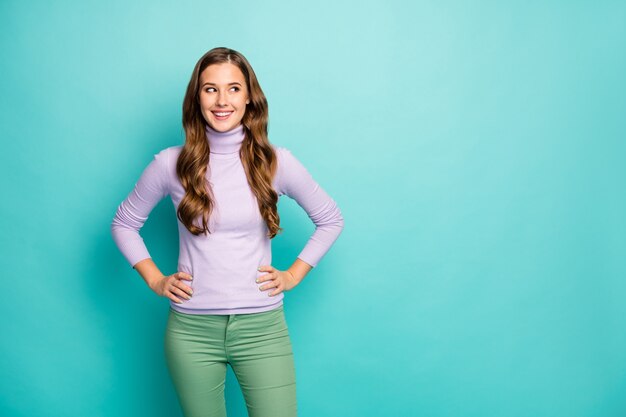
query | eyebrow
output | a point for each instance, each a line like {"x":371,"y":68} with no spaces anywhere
{"x":216,"y":84}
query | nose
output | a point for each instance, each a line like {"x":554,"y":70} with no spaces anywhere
{"x":221,"y":98}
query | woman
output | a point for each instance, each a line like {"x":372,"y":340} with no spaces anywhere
{"x":226,"y":299}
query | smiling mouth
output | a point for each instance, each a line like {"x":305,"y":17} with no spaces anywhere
{"x":222,"y":115}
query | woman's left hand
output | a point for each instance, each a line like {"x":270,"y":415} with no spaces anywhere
{"x":277,"y":280}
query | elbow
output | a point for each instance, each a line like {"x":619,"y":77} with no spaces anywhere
{"x":330,"y":219}
{"x":337,"y":217}
{"x":117,"y":223}
{"x":122,"y":226}
{"x":116,"y":229}
{"x":339,"y":222}
{"x":334,"y":222}
{"x":125,"y":220}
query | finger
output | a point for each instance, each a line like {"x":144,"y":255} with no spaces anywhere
{"x":179,"y":284}
{"x":186,"y":288}
{"x":175,"y":288}
{"x":184,"y":275}
{"x":272,"y":284}
{"x":264,"y":277}
{"x":173,"y":297}
{"x":276,"y":291}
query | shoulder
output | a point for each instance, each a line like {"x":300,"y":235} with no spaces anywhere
{"x":284,"y":156}
{"x":168,"y":156}
{"x":280,"y":150}
{"x":291,"y":174}
{"x":164,"y":163}
{"x":170,"y":151}
{"x":286,"y":160}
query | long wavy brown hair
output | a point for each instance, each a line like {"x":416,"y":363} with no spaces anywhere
{"x":257,"y":155}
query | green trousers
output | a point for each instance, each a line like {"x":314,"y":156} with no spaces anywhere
{"x":256,"y":345}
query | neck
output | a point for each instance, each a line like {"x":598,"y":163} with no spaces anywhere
{"x":225,"y":143}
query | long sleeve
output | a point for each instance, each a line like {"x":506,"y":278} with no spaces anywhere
{"x":297,"y":183}
{"x":132,"y":213}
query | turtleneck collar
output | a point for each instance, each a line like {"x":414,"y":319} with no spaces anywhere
{"x":225,"y":143}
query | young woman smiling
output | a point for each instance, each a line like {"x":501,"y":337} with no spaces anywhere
{"x":226,"y":298}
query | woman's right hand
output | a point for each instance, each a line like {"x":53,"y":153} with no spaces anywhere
{"x":172,"y":287}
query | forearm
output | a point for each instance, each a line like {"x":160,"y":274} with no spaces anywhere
{"x":299,"y":269}
{"x":148,"y":271}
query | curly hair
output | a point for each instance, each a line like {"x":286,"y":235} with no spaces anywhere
{"x":257,"y":155}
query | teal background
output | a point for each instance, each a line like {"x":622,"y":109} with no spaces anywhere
{"x":476,"y":149}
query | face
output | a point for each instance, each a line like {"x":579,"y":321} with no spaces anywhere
{"x":223,"y":96}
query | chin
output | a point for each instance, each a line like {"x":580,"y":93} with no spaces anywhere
{"x":224,"y":128}
{"x":222,"y":125}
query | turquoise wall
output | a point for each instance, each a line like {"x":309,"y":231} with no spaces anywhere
{"x":476,"y":149}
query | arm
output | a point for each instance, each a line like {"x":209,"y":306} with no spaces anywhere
{"x":296,"y":182}
{"x":165,"y":286}
{"x":132,"y":213}
{"x":298,"y":270}
{"x":150,"y":273}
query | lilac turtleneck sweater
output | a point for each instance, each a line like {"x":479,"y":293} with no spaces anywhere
{"x":224,"y":263}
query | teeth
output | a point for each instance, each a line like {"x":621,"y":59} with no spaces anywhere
{"x":223,"y":114}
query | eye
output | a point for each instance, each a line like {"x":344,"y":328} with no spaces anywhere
{"x":208,"y":89}
{"x":236,"y":88}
